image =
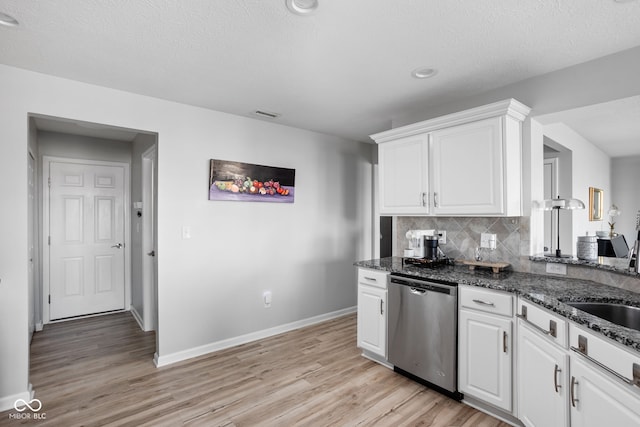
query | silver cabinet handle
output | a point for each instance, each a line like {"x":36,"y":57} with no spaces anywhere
{"x":479,"y":301}
{"x":424,"y":199}
{"x":573,"y":393}
{"x":118,"y":245}
{"x":381,"y":310}
{"x":370,"y":278}
{"x":606,"y":368}
{"x":435,"y":200}
{"x":552,"y":326}
{"x":504,"y":341}
{"x":556,"y":370}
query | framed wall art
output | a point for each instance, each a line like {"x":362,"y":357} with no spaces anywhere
{"x":596,"y":209}
{"x":246,"y":182}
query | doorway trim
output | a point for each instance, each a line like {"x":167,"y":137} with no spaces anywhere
{"x":35,"y":322}
{"x":149,"y":240}
{"x":552,"y":163}
{"x":46,"y":231}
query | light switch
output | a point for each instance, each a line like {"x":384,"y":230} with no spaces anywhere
{"x":266,"y":296}
{"x":186,"y":232}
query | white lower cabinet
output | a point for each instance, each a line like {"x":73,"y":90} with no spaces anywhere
{"x":543,"y":373}
{"x":597,"y":400}
{"x":601,"y":390}
{"x":372,"y":311}
{"x":485,"y":353}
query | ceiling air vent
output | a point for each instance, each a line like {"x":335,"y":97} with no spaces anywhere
{"x":266,"y":114}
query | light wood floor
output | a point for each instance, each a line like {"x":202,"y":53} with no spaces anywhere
{"x":99,"y":371}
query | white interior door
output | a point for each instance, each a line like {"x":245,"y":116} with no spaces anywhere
{"x":87,"y":236}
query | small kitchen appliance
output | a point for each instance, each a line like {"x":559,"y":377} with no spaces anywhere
{"x":431,"y":247}
{"x":416,"y":243}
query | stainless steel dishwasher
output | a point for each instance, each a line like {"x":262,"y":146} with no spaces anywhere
{"x":423,"y":327}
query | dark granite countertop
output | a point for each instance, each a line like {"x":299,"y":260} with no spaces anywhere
{"x":615,"y":265}
{"x":546,"y":291}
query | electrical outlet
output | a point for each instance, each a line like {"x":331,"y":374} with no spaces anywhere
{"x":556,"y":268}
{"x":442,"y":237}
{"x":488,"y":240}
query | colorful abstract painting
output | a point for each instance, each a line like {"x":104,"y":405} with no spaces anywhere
{"x":246,"y":182}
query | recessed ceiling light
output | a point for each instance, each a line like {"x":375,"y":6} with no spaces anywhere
{"x":8,"y":20}
{"x":424,"y":72}
{"x":624,"y":1}
{"x":302,"y":7}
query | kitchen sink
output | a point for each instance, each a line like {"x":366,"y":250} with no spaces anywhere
{"x":623,"y":315}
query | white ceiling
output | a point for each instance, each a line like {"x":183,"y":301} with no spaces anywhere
{"x":344,"y":70}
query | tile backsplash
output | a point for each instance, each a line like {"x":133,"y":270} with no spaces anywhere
{"x":463,"y":236}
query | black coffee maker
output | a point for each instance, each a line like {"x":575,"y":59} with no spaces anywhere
{"x":431,"y":247}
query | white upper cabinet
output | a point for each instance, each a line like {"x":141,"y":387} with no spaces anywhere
{"x":467,"y":163}
{"x":467,"y":169}
{"x":404,"y":177}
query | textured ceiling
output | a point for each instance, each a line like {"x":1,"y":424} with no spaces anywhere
{"x":344,"y":70}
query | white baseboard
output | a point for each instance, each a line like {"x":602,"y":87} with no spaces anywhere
{"x":377,"y":359}
{"x":39,"y":326}
{"x":137,"y":316}
{"x":243,"y":339}
{"x":494,"y":412}
{"x":7,"y":402}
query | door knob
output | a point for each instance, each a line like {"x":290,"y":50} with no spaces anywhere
{"x":152,"y":253}
{"x":118,"y":246}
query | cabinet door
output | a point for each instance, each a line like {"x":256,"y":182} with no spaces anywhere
{"x":597,"y":400}
{"x":467,"y":168}
{"x":403,"y":175}
{"x":485,"y":358}
{"x":542,"y":381}
{"x":372,"y":319}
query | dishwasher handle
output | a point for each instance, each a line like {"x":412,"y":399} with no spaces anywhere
{"x":422,"y":286}
{"x":417,"y":291}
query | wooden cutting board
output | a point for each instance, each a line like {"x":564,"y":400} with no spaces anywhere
{"x":495,"y":266}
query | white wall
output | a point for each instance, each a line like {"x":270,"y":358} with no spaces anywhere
{"x":604,"y":79}
{"x":590,"y":167}
{"x":600,"y":80}
{"x":209,"y":287}
{"x":82,"y":147}
{"x":625,"y":181}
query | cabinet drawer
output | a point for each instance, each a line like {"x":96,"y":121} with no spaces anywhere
{"x":604,"y":351}
{"x":373,"y":277}
{"x":543,"y":320}
{"x":489,"y":301}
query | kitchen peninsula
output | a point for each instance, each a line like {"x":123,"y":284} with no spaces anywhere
{"x":546,"y":291}
{"x":525,"y":354}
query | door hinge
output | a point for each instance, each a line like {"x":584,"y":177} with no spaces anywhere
{"x":49,"y":299}
{"x":49,"y":240}
{"x":49,"y":181}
